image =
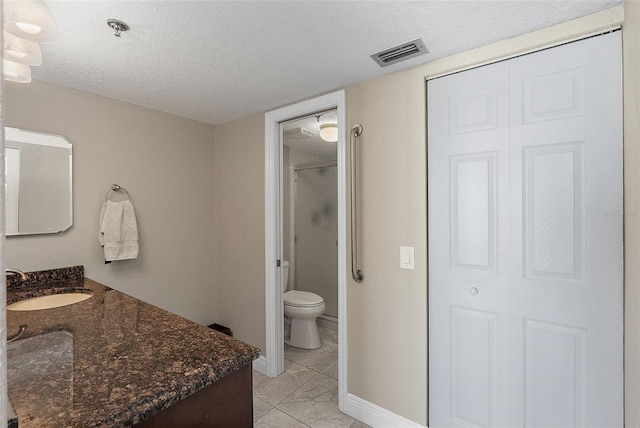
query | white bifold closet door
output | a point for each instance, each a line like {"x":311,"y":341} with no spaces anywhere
{"x":525,"y":241}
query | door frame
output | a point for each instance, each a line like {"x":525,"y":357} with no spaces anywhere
{"x":273,"y":364}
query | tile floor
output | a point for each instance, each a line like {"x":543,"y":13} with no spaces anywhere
{"x":306,"y":394}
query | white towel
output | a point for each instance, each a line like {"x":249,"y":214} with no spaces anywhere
{"x":118,"y":231}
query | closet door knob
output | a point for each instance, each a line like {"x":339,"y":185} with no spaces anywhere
{"x":473,"y":291}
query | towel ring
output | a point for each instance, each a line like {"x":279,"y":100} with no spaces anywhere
{"x":115,"y":188}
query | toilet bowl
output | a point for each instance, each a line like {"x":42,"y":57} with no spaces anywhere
{"x":302,"y":308}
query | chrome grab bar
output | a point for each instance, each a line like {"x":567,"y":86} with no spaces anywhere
{"x":356,"y":273}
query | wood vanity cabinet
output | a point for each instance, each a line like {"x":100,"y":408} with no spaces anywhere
{"x":225,"y":403}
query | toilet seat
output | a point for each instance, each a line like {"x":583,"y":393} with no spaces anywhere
{"x":302,"y":299}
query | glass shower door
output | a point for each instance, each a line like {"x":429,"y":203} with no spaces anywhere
{"x":316,"y":227}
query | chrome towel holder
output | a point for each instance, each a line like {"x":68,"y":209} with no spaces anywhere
{"x":116,"y":188}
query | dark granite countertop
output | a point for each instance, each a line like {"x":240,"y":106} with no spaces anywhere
{"x":111,"y":360}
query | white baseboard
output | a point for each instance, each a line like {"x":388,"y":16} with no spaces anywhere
{"x":260,"y":365}
{"x":376,"y":416}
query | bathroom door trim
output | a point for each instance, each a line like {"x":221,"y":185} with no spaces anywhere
{"x":273,"y":363}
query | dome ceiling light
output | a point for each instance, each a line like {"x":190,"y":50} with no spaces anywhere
{"x":329,"y":132}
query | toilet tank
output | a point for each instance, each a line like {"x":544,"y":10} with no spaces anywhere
{"x":285,"y":275}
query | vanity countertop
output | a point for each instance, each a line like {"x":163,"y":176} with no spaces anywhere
{"x":111,"y":360}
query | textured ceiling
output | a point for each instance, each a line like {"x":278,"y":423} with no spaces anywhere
{"x":215,"y":61}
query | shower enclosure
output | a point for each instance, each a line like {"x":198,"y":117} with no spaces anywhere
{"x":316,"y":233}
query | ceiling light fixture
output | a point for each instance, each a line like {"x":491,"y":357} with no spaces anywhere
{"x":117,"y":26}
{"x":30,"y":20}
{"x":21,"y":50}
{"x":329,"y":132}
{"x":16,"y":72}
{"x":26,"y":22}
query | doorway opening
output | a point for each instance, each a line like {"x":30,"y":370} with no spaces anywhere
{"x":282,"y":126}
{"x":309,"y":216}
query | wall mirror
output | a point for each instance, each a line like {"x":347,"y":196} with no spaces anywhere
{"x":38,"y":178}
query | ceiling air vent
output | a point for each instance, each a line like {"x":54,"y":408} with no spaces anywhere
{"x":299,"y":133}
{"x":308,"y":132}
{"x":401,"y":52}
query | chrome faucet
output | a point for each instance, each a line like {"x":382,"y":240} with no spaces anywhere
{"x":17,"y":335}
{"x":23,"y":276}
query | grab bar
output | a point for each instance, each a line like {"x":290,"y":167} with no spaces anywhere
{"x":356,"y":273}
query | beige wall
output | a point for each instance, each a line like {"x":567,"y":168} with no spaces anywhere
{"x":239,"y":192}
{"x":631,"y":55}
{"x":165,"y":162}
{"x":387,"y":312}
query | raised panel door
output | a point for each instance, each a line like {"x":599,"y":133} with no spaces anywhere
{"x":525,"y":240}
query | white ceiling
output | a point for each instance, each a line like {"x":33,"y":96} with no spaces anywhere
{"x":216,"y":61}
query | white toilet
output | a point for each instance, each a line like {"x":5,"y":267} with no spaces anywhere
{"x":302,"y":307}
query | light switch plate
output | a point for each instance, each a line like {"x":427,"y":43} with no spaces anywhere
{"x":406,"y":258}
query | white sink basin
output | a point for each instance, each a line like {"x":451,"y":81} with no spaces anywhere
{"x":48,"y":302}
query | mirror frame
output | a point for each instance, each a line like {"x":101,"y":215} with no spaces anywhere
{"x":46,"y":139}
